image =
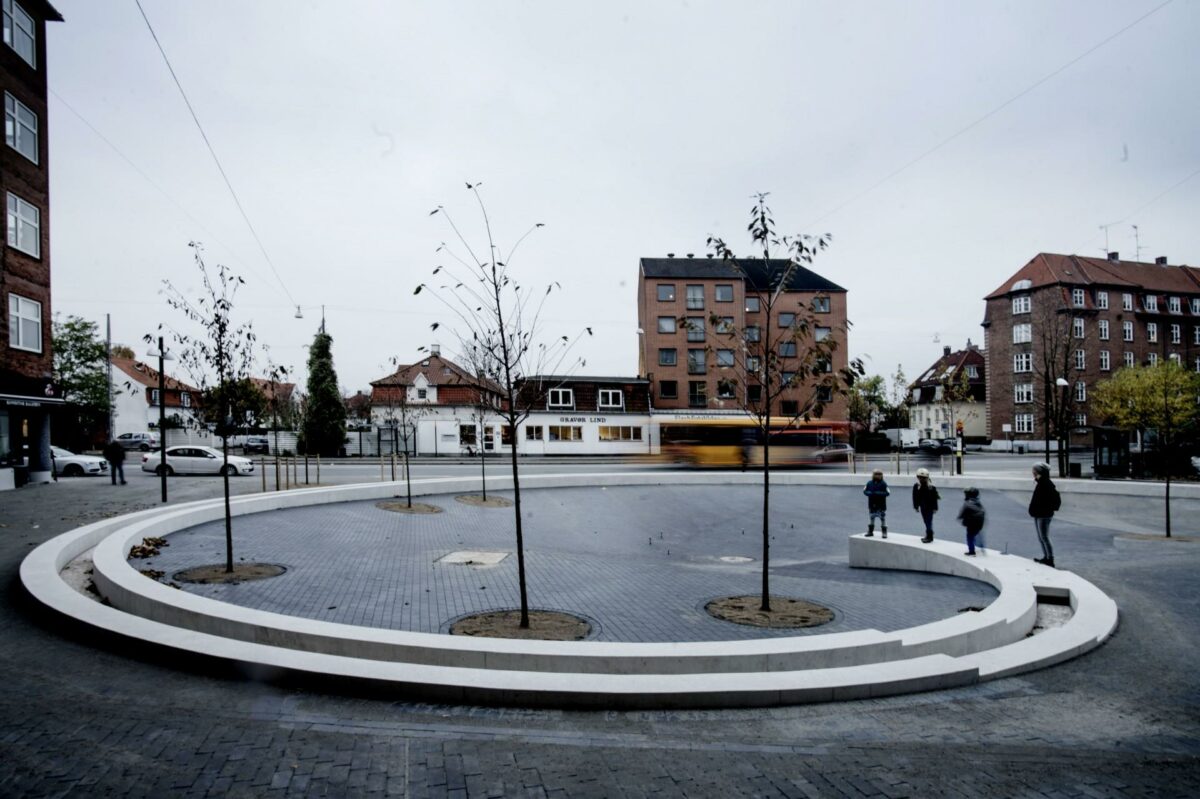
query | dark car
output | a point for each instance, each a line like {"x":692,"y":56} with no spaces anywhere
{"x":257,"y":444}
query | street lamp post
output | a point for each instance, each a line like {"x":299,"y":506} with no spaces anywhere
{"x":1063,"y":385}
{"x":162,"y":416}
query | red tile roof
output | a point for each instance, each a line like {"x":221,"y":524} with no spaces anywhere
{"x":1049,"y":268}
{"x":147,"y":376}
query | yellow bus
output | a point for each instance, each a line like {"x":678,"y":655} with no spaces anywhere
{"x":737,"y":442}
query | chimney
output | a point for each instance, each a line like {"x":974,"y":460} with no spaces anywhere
{"x":1161,"y":260}
{"x":691,"y":255}
{"x":1114,"y":256}
{"x":946,"y":351}
{"x":709,"y":255}
{"x":670,"y":255}
{"x":435,"y":349}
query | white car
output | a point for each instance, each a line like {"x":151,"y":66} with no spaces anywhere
{"x":192,"y":459}
{"x":68,"y":464}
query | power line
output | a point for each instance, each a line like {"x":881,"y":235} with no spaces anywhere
{"x":213,"y":153}
{"x":1144,"y":206}
{"x":989,"y":114}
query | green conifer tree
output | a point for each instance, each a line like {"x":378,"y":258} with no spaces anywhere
{"x":325,"y":414}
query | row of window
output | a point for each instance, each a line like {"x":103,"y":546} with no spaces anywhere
{"x":698,"y":394}
{"x":1023,"y":361}
{"x":184,"y":398}
{"x":1023,"y":392}
{"x":1023,"y":333}
{"x":695,"y":327}
{"x":570,"y":432}
{"x":697,"y":359}
{"x":610,"y":399}
{"x":24,"y":323}
{"x":1023,"y":422}
{"x":723,"y":292}
{"x":1022,"y":304}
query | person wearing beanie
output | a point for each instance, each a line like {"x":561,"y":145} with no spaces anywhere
{"x":877,"y":493}
{"x":972,"y":516}
{"x":1042,"y":505}
{"x":925,"y":501}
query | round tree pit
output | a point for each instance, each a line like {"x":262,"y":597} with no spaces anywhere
{"x":400,"y":506}
{"x":544,"y":625}
{"x":478,"y":501}
{"x":785,"y":613}
{"x":242,"y":572}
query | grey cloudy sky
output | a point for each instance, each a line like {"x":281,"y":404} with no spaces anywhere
{"x":630,"y":130}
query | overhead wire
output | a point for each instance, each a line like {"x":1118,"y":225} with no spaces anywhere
{"x":213,"y":153}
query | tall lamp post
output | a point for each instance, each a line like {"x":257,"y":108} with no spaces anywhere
{"x":1063,"y":385}
{"x":163,"y":355}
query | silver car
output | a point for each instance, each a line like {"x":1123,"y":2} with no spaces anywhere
{"x":193,"y":459}
{"x":68,"y":464}
{"x":143,"y":441}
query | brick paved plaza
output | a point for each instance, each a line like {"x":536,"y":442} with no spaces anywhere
{"x":87,"y":717}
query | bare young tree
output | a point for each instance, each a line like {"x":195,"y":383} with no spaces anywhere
{"x":217,"y":358}
{"x":484,"y":387}
{"x":1056,"y":340}
{"x":758,"y":366}
{"x":503,"y":317}
{"x":403,"y":412}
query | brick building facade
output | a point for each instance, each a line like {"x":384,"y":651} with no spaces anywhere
{"x":686,"y":361}
{"x":27,"y":392}
{"x":1078,"y":320}
{"x":952,"y":390}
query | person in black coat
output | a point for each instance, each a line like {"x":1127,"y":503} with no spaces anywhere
{"x":114,"y":453}
{"x":1042,"y":504}
{"x":925,"y":501}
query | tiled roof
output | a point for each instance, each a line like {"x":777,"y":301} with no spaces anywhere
{"x":438,"y":372}
{"x":1049,"y":268}
{"x":950,"y":366}
{"x":757,"y":272}
{"x":284,"y":390}
{"x":141,"y":373}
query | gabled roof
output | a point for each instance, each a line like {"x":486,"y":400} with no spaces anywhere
{"x":437,"y":371}
{"x":1050,"y":268}
{"x":283,"y":390}
{"x":950,"y":366}
{"x":758,"y":272}
{"x":570,"y":379}
{"x":141,"y":373}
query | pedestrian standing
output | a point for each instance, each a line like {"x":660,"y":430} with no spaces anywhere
{"x":972,"y":516}
{"x":1042,"y":504}
{"x":114,"y":453}
{"x":877,"y":493}
{"x":925,"y":501}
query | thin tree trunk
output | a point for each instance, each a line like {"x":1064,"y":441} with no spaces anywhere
{"x":1168,"y":499}
{"x":407,"y":473}
{"x":766,"y":525}
{"x":228,"y":514}
{"x":483,"y":461}
{"x":512,"y":429}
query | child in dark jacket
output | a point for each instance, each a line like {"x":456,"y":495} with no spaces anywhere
{"x":972,"y":516}
{"x":925,"y":501}
{"x":877,"y":493}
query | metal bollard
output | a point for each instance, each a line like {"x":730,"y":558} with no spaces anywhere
{"x":393,"y":467}
{"x":318,"y":468}
{"x":262,"y":468}
{"x":306,"y":468}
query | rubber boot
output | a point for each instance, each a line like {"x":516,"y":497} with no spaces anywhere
{"x":870,"y":531}
{"x":928,"y":539}
{"x":885,"y":531}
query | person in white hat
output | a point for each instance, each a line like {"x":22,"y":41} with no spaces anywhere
{"x":925,"y":501}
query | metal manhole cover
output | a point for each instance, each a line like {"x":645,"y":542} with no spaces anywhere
{"x":473,"y":558}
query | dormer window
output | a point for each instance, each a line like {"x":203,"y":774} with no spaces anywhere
{"x":186,"y":399}
{"x":1127,"y":302}
{"x":611,"y":399}
{"x":155,"y":397}
{"x":1173,"y":304}
{"x":422,"y":393}
{"x":1151,"y":302}
{"x":1077,"y":297}
{"x":560,"y":398}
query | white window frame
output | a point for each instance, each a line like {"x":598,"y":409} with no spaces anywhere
{"x":19,"y":315}
{"x":1022,"y":362}
{"x":1080,"y":391}
{"x":1176,"y":334}
{"x":185,"y":399}
{"x":560,"y":398}
{"x":1081,"y":420}
{"x":24,"y":216}
{"x":1105,"y":361}
{"x":1127,"y":302}
{"x":1102,"y":300}
{"x":611,"y":399}
{"x":1103,"y":327}
{"x":1174,"y":356}
{"x":1196,"y":306}
{"x":1023,"y":422}
{"x":1127,"y":331}
{"x":1022,"y":333}
{"x":1152,"y":332}
{"x":1152,"y":359}
{"x":1196,"y":334}
{"x":1021,"y":304}
{"x":18,"y":22}
{"x":1077,"y":327}
{"x":1127,"y":359}
{"x":1080,"y":360}
{"x":1150,"y":302}
{"x":1173,"y":305}
{"x":1023,"y":393}
{"x":1078,"y":297}
{"x":18,"y":133}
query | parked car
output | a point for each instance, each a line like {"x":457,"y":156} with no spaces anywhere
{"x":835,"y":452}
{"x":68,"y":464}
{"x":191,"y":459}
{"x":257,"y":444}
{"x":143,"y":441}
{"x":934,"y":446}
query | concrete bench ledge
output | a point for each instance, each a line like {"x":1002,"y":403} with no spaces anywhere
{"x":954,"y":651}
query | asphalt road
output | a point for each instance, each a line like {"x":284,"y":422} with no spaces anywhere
{"x":87,"y":717}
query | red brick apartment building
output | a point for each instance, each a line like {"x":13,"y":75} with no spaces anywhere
{"x":673,"y":356}
{"x":1080,"y":319}
{"x":27,"y":393}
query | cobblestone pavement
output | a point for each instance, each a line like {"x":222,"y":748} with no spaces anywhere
{"x":88,"y":718}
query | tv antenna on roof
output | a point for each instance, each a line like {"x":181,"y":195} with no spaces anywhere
{"x":1137,"y":244}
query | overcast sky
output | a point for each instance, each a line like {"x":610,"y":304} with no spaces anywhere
{"x":630,"y":130}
